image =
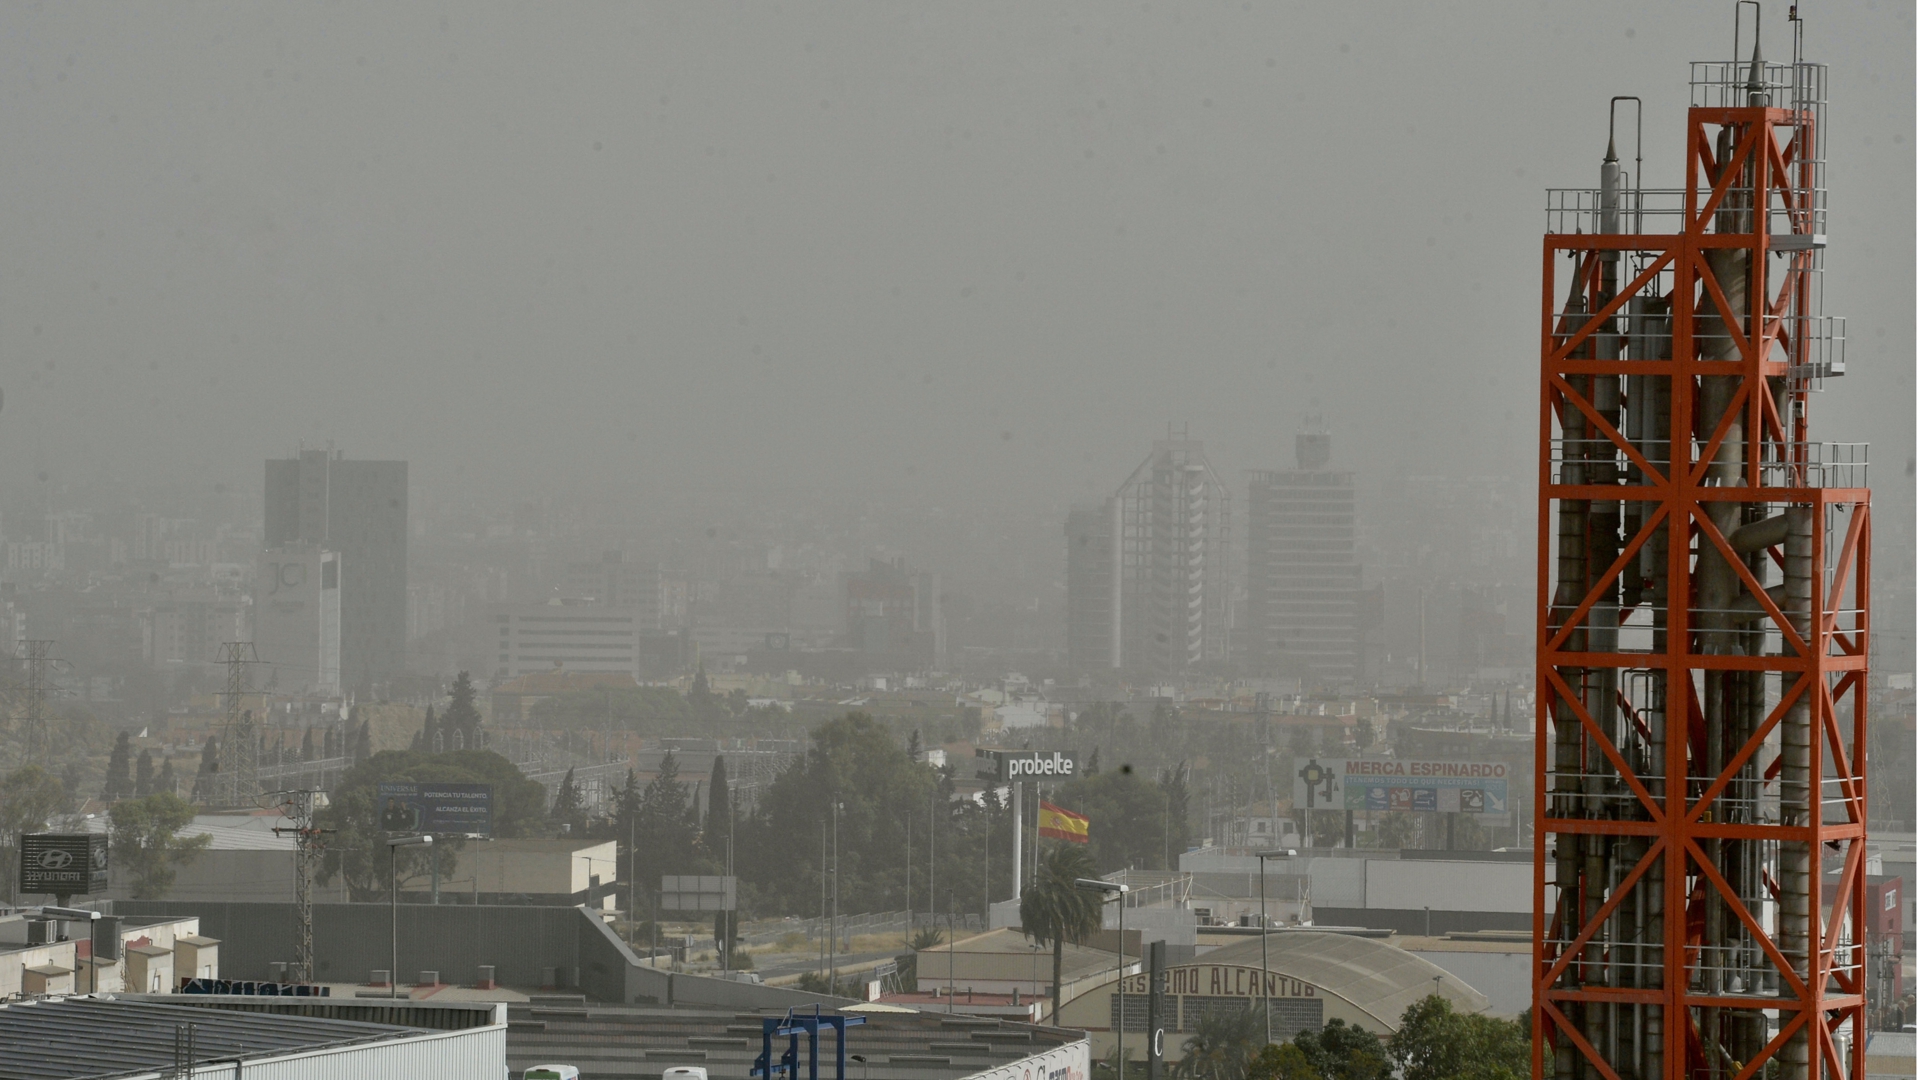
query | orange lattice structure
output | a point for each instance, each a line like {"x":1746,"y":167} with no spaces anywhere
{"x":1703,"y":616}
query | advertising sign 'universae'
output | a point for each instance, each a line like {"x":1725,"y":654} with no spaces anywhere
{"x":408,"y":808}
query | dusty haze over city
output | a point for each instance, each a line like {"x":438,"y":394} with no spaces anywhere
{"x":933,"y":273}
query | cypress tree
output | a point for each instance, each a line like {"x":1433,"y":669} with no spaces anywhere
{"x":462,"y":715}
{"x":165,"y":781}
{"x":719,"y":803}
{"x":209,"y":765}
{"x":143,"y":775}
{"x":120,"y":769}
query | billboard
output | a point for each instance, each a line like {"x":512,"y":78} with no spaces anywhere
{"x":63,"y":864}
{"x":442,"y":809}
{"x":1016,"y":765}
{"x":1443,"y":787}
{"x":696,"y":892}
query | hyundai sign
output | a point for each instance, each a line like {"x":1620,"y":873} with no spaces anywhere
{"x":63,"y":864}
{"x":1017,"y":765}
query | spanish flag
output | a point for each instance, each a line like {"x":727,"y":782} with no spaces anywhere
{"x":1062,"y":824}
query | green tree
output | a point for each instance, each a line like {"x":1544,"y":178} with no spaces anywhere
{"x":857,"y":762}
{"x":1221,"y":1046}
{"x":210,"y":765}
{"x":29,"y":797}
{"x":1437,"y":1043}
{"x":701,"y":698}
{"x":1177,"y":828}
{"x":1054,"y":912}
{"x":666,"y":826}
{"x":1342,"y":1051}
{"x":460,"y":725}
{"x":1282,"y":1061}
{"x":306,"y":744}
{"x":719,"y":812}
{"x":119,"y":770}
{"x":143,"y":774}
{"x":1128,"y":814}
{"x":568,"y":815}
{"x":165,"y":781}
{"x":146,"y":844}
{"x":358,"y":855}
{"x":1399,"y":830}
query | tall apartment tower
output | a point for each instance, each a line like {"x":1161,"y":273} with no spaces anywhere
{"x":1303,"y":582}
{"x":1160,"y":546}
{"x":1093,"y":631}
{"x":359,"y":510}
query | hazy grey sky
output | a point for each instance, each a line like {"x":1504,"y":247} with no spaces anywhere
{"x":968,"y":254}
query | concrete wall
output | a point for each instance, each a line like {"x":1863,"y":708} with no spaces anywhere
{"x":352,"y":940}
{"x":1422,"y":922}
{"x":1502,"y":976}
{"x":1450,"y":886}
{"x":263,"y":875}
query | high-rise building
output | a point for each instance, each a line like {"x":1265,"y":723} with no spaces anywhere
{"x":1303,"y":582}
{"x":894,"y":613}
{"x":357,"y":509}
{"x":1163,"y":610}
{"x":1093,"y":637}
{"x":558,"y":636}
{"x":614,"y":580}
{"x":296,"y":619}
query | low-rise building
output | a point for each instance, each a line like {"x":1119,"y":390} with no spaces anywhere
{"x":135,"y":1037}
{"x":40,"y":955}
{"x":557,"y":872}
{"x":1309,"y":978}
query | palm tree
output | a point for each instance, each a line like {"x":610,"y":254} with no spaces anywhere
{"x":1053,"y":912}
{"x":1221,"y":1045}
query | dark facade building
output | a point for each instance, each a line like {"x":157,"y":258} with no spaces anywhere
{"x":358,"y":509}
{"x":893,"y":615}
{"x":1303,"y":581}
{"x":1093,"y":642}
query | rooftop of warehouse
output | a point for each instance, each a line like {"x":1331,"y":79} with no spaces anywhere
{"x":615,"y":1041}
{"x":93,"y":1038}
{"x":1376,"y":977}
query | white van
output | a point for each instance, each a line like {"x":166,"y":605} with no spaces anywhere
{"x":684,"y":1072}
{"x":551,"y":1072}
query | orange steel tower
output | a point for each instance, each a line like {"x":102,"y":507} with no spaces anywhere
{"x":1699,"y":853}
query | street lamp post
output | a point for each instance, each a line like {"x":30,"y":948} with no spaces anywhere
{"x":91,"y":918}
{"x":1266,"y":999}
{"x":393,"y":910}
{"x":1119,"y":892}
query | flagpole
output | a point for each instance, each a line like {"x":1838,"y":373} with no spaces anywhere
{"x":1019,"y":804}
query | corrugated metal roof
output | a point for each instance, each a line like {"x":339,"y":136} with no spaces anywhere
{"x":92,"y":1038}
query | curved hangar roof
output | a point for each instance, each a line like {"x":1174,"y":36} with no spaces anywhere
{"x":1376,"y":978}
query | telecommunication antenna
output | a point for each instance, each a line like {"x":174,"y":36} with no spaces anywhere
{"x":239,"y":781}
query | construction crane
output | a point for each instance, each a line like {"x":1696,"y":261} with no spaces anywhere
{"x":1700,"y":836}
